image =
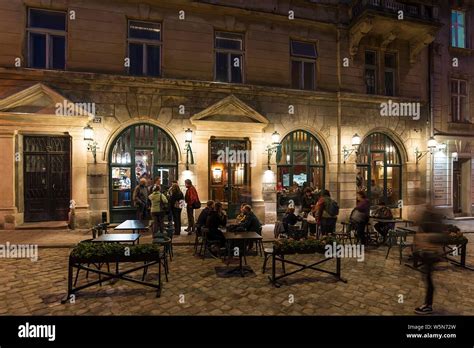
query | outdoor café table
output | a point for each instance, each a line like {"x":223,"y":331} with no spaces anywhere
{"x":232,"y":238}
{"x":132,"y":225}
{"x":393,"y":221}
{"x":119,"y":238}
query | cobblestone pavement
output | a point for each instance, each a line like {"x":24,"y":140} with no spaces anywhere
{"x":374,"y":288}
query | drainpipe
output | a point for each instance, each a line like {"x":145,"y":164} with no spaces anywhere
{"x":430,"y":120}
{"x":339,"y":112}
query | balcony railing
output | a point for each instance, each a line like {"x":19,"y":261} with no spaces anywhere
{"x":415,"y":11}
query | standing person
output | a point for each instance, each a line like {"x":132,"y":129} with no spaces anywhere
{"x":140,"y":199}
{"x":158,"y":209}
{"x":428,"y":248}
{"x":192,"y":202}
{"x":326,"y":212}
{"x":360,"y":216}
{"x":176,"y":200}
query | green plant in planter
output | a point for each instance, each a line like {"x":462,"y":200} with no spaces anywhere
{"x":91,"y":251}
{"x":310,"y":245}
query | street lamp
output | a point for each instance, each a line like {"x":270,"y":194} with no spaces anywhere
{"x":432,"y":144}
{"x":274,"y":147}
{"x":92,"y":144}
{"x":355,"y":147}
{"x":188,"y":139}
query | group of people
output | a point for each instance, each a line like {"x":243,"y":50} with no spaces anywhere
{"x":152,"y":203}
{"x":321,"y":211}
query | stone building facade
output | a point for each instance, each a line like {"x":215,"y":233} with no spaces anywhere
{"x":358,"y":56}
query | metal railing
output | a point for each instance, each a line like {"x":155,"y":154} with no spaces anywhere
{"x":417,"y":11}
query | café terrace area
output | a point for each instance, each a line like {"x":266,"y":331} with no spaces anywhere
{"x":201,"y":284}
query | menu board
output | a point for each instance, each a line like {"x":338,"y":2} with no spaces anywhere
{"x":442,"y":180}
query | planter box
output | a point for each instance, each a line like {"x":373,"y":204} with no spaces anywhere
{"x":113,"y":252}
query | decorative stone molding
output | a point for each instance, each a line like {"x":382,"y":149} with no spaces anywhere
{"x":388,"y":39}
{"x":357,"y":33}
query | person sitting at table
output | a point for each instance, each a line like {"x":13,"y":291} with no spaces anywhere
{"x":201,"y":221}
{"x":251,"y":222}
{"x":241,"y":216}
{"x":290,"y":218}
{"x":158,"y":209}
{"x":384,"y":213}
{"x":215,"y":219}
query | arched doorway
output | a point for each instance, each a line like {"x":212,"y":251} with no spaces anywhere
{"x":141,"y":150}
{"x":300,"y":163}
{"x":379,"y":170}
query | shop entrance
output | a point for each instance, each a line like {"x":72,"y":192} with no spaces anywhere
{"x":229,"y":173}
{"x":461,"y":173}
{"x":47,"y":177}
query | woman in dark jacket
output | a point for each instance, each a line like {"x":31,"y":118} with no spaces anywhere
{"x":360,"y":216}
{"x":176,"y":202}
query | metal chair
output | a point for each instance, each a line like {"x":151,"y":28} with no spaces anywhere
{"x":267,"y":253}
{"x":397,"y":237}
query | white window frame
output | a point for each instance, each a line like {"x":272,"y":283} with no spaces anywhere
{"x":48,"y":33}
{"x":456,"y":113}
{"x":229,"y":53}
{"x":145,"y":43}
{"x":302,"y":60}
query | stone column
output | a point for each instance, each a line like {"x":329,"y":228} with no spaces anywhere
{"x":79,"y":189}
{"x":7,"y":184}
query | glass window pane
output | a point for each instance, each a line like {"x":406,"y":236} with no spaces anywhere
{"x":370,"y":58}
{"x":393,"y":185}
{"x":370,"y":81}
{"x":454,"y":86}
{"x":144,"y":30}
{"x":47,"y":19}
{"x":303,"y":49}
{"x":389,"y":83}
{"x":463,"y":115}
{"x":236,"y":68}
{"x":143,"y":164}
{"x":153,"y":60}
{"x":121,"y":187}
{"x":308,"y":76}
{"x":300,"y":158}
{"x":222,"y":62}
{"x":166,"y":176}
{"x":135,"y":52}
{"x":296,"y":71}
{"x":58,"y":52}
{"x":390,"y":61}
{"x":462,"y":87}
{"x":454,"y":108}
{"x":316,"y":178}
{"x":230,"y":41}
{"x":361,"y":178}
{"x":300,"y":175}
{"x":38,"y":50}
{"x":121,"y":150}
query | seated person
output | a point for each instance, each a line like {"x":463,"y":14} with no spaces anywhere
{"x":241,"y":215}
{"x":250,"y":223}
{"x":383,"y":212}
{"x":201,"y":221}
{"x":290,"y":218}
{"x":216,"y":218}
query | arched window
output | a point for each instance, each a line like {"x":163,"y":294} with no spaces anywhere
{"x":300,"y":164}
{"x":379,"y":170}
{"x":140,"y":151}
